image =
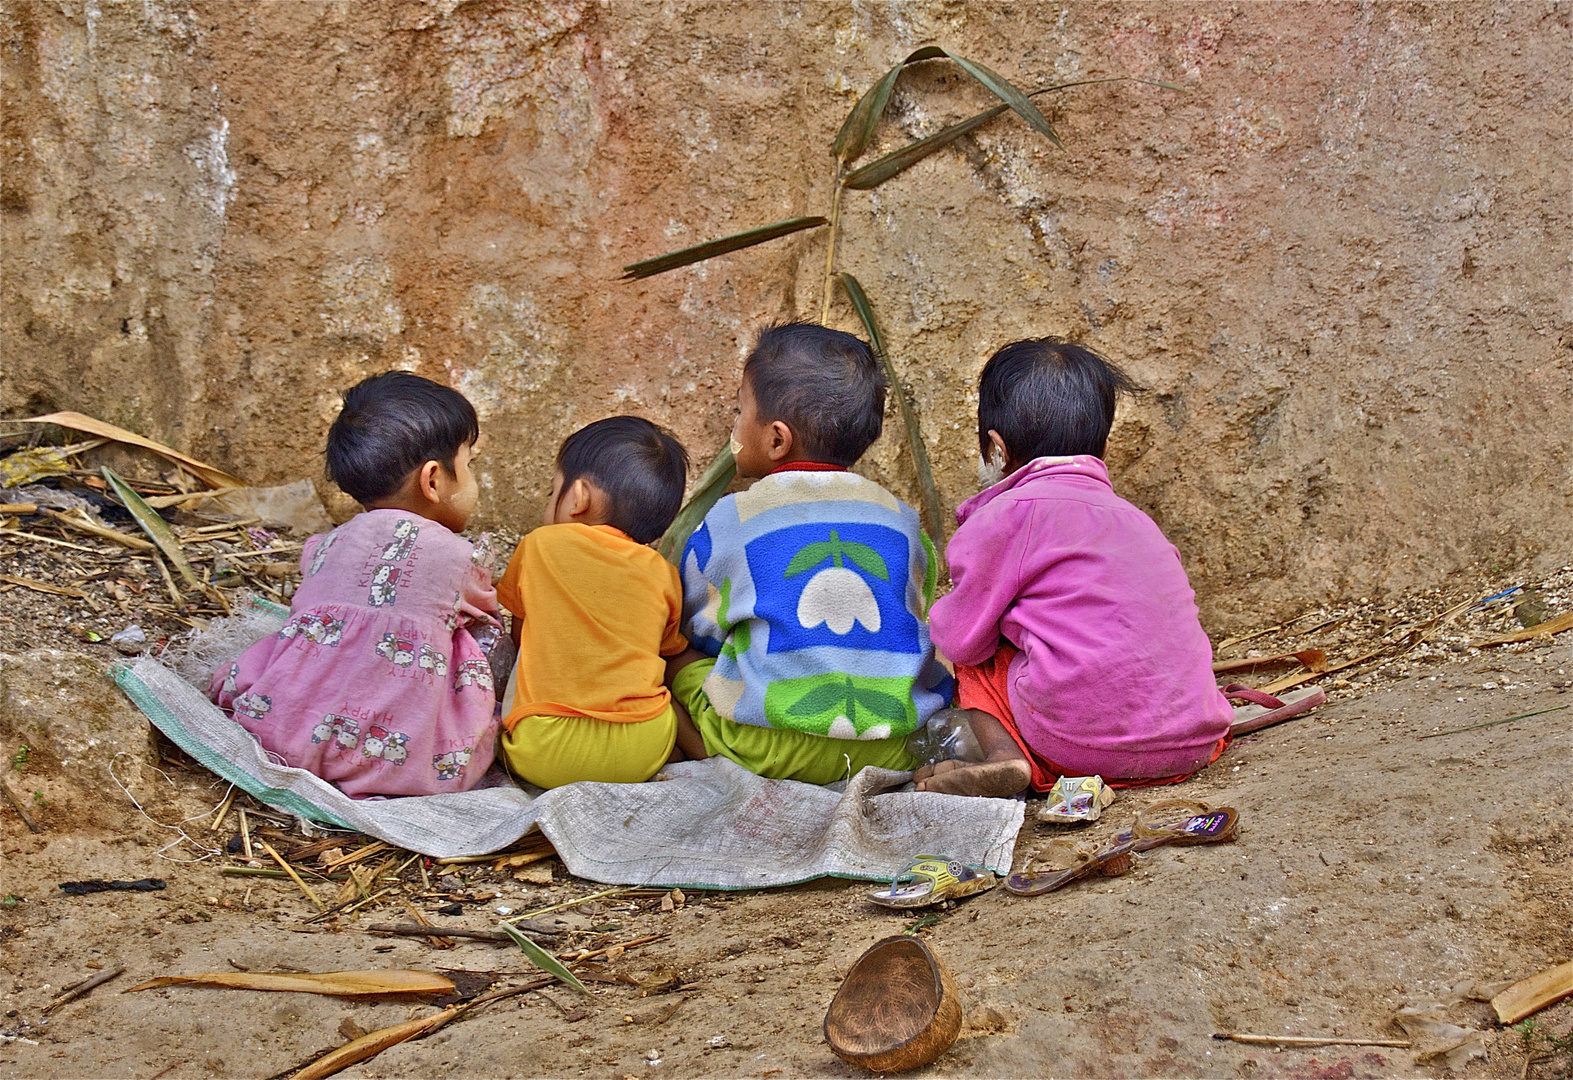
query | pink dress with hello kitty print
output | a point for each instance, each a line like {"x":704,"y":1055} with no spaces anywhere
{"x":375,"y":683}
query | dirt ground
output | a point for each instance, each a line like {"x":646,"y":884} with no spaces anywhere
{"x":1375,"y":869}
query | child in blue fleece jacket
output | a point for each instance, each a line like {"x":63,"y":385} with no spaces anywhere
{"x":805,"y":597}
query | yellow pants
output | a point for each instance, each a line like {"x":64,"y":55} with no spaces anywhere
{"x":778,"y":753}
{"x":550,"y":751}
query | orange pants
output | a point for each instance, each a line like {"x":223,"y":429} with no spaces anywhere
{"x":986,"y":688}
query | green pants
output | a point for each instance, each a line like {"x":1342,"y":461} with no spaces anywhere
{"x":779,"y":753}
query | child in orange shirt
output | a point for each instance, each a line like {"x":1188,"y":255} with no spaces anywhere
{"x":595,"y":610}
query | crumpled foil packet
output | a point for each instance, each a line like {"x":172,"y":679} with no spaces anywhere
{"x":1077,"y":798}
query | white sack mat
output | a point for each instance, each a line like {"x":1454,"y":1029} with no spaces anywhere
{"x":709,"y":824}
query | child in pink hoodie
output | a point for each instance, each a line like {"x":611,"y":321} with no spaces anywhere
{"x":1072,"y":625}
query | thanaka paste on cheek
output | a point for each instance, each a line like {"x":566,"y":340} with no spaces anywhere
{"x":991,"y":470}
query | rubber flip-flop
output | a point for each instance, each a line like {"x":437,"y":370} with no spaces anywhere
{"x":932,"y":879}
{"x":1215,"y":826}
{"x":1264,"y":710}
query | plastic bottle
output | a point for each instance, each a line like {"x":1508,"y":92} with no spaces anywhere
{"x":947,"y":736}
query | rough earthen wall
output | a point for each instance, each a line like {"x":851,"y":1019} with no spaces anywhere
{"x":1339,"y":260}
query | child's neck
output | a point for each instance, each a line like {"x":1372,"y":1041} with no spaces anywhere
{"x":803,"y":464}
{"x":409,"y":503}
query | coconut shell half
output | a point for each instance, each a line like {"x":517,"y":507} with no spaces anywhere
{"x":897,"y":1009}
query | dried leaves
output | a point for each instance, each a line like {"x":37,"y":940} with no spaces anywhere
{"x":336,"y":983}
{"x":372,"y":1044}
{"x":79,"y":422}
{"x":1545,"y":629}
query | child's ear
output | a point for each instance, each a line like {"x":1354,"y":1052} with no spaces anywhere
{"x":575,"y":501}
{"x":426,"y":481}
{"x":781,"y":441}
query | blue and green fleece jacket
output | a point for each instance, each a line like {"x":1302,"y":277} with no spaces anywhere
{"x":811,"y":590}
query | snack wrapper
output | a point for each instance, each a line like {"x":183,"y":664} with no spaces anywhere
{"x":1077,"y":798}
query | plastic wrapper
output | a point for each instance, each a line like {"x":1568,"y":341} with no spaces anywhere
{"x":948,"y":736}
{"x":1077,"y":798}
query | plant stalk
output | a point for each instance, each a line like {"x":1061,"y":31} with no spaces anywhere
{"x":830,"y":247}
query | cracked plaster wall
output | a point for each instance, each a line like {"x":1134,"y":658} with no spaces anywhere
{"x":1339,"y":260}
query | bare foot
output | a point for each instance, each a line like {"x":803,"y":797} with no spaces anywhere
{"x":998,"y":779}
{"x":935,"y":769}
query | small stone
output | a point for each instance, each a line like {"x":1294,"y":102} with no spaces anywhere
{"x":987,"y":1018}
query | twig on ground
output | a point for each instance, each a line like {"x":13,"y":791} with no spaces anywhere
{"x":408,"y":930}
{"x":356,"y":905}
{"x":569,"y":903}
{"x":18,"y":534}
{"x":437,"y":941}
{"x":269,"y":872}
{"x":1494,"y":723}
{"x":1544,"y":629}
{"x":136,"y":543}
{"x":218,"y":818}
{"x":1303,"y":1040}
{"x":76,"y":990}
{"x":373,"y":848}
{"x":169,"y":582}
{"x":21,"y":811}
{"x":373,"y":1043}
{"x":43,"y":587}
{"x":589,"y":954}
{"x":290,"y":870}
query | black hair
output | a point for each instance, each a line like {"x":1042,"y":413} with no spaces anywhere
{"x":641,"y":467}
{"x":1049,"y":398}
{"x":824,"y":384}
{"x":391,"y":425}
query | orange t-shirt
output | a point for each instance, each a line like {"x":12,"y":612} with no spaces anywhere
{"x":596,"y":613}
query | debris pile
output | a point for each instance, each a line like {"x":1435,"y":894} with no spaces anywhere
{"x":1344,"y":646}
{"x":127,"y":562}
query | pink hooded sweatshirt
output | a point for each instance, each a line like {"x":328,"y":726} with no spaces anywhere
{"x":1115,"y":675}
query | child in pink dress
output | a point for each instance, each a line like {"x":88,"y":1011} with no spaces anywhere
{"x":376,"y":683}
{"x":1072,"y":625}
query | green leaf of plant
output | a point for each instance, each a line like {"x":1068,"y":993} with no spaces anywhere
{"x":1006,"y":91}
{"x":711,"y":248}
{"x":932,"y":512}
{"x":883,"y":705}
{"x":857,"y":131}
{"x":544,"y":960}
{"x":152,"y":524}
{"x":897,"y":162}
{"x":818,"y":700}
{"x":707,"y":492}
{"x":867,"y":559}
{"x":810,"y":556}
